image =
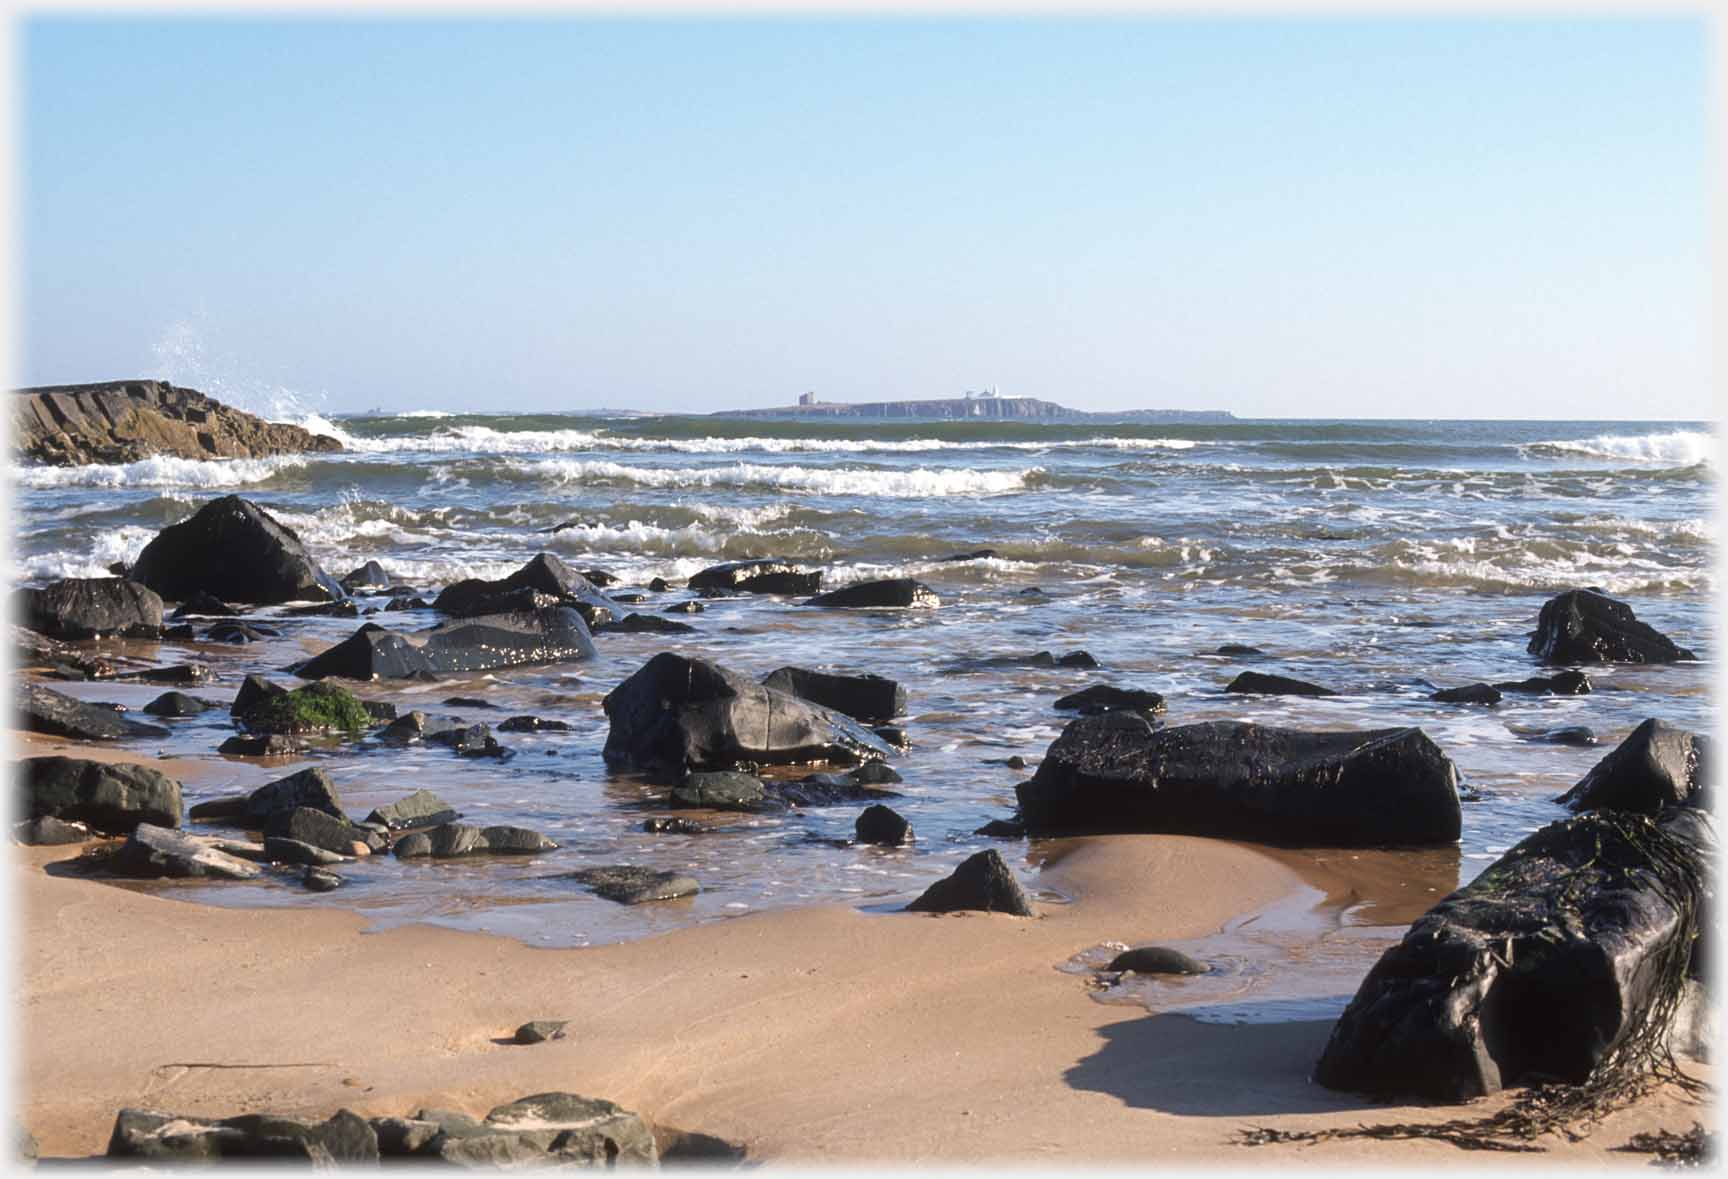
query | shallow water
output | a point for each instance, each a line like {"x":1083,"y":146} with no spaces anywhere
{"x":1382,"y":559}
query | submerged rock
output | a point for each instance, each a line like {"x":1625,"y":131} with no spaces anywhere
{"x":112,"y":797}
{"x":759,"y":577}
{"x":554,"y":634}
{"x":1570,"y":735}
{"x":895,"y":592}
{"x":826,"y":790}
{"x":1105,"y":698}
{"x":982,"y":882}
{"x":260,"y":745}
{"x":868,"y":698}
{"x":275,"y":801}
{"x":977,"y":663}
{"x":1275,"y":685}
{"x":1656,"y":766}
{"x":675,"y":825}
{"x":1470,"y":694}
{"x":90,"y":607}
{"x":178,"y":704}
{"x":235,"y":551}
{"x":1566,"y":683}
{"x":420,"y":809}
{"x":722,"y":790}
{"x":883,"y":827}
{"x":1157,"y":960}
{"x":544,"y":574}
{"x":1231,"y":780}
{"x":152,"y":851}
{"x":315,"y":879}
{"x":629,"y":885}
{"x":677,"y":713}
{"x":43,"y":710}
{"x":1582,"y":626}
{"x":632,"y":624}
{"x":533,"y":724}
{"x":1571,"y":945}
{"x":460,"y":839}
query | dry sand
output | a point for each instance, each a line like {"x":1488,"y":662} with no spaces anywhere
{"x":817,"y":1036}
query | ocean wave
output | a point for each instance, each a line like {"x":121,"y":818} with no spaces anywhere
{"x":920,"y":483}
{"x":160,"y":471}
{"x":1678,"y":448}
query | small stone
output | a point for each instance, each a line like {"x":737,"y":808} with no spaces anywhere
{"x":320,"y":880}
{"x":1157,"y":960}
{"x":1016,"y":762}
{"x":629,"y":885}
{"x":538,"y":1030}
{"x":882,"y":826}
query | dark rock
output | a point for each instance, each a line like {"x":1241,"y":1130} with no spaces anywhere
{"x":321,"y":829}
{"x":552,"y":635}
{"x":537,"y":1031}
{"x":313,"y":708}
{"x":467,"y":702}
{"x":460,"y":839}
{"x":678,"y":713}
{"x":630,"y":885}
{"x":48,"y":831}
{"x":260,"y":745}
{"x":974,"y":555}
{"x":43,"y":710}
{"x":279,"y":850}
{"x":346,"y":608}
{"x":544,"y":574}
{"x":233,"y":550}
{"x":981,"y":882}
{"x":1157,"y":960}
{"x":1077,"y":659}
{"x":825,"y":790}
{"x":320,"y":880}
{"x":1470,"y":694}
{"x":182,"y":632}
{"x":1016,"y":762}
{"x":533,"y":724}
{"x":152,"y":851}
{"x":381,"y":711}
{"x":1566,"y":683}
{"x":887,"y":592}
{"x":343,"y":1139}
{"x":600,"y":577}
{"x":420,"y":809}
{"x":404,"y":1136}
{"x":112,"y":797}
{"x":973,"y":664}
{"x":1239,"y":649}
{"x":1003,"y":829}
{"x":895,"y":735}
{"x":868,"y":698}
{"x":1570,"y":735}
{"x":1275,"y":685}
{"x":369,"y":574}
{"x":1581,"y":626}
{"x":629,"y":598}
{"x":1656,"y":766}
{"x":407,"y":602}
{"x":254,"y":690}
{"x":468,"y":740}
{"x":178,"y":704}
{"x":691,"y":606}
{"x":1548,"y":961}
{"x":645,"y":624}
{"x":90,"y":607}
{"x":275,"y":801}
{"x":565,"y":1129}
{"x":179,"y":673}
{"x":673,"y":826}
{"x":882,"y":826}
{"x":875,"y":773}
{"x":239,"y":633}
{"x":758,"y":577}
{"x":1231,"y":780}
{"x":369,"y":653}
{"x":412,"y":726}
{"x":1104,"y":698}
{"x":720,"y":790}
{"x":659,"y":585}
{"x":203,"y":605}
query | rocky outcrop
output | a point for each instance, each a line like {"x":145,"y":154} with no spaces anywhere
{"x":125,"y":421}
{"x":1656,"y":766}
{"x":90,"y":607}
{"x":1582,"y":626}
{"x":982,"y":882}
{"x":552,"y":634}
{"x":235,"y":551}
{"x":891,"y":592}
{"x":112,"y":797}
{"x":676,"y":714}
{"x":1573,"y":944}
{"x":43,"y":710}
{"x":869,"y":698}
{"x":1118,"y":773}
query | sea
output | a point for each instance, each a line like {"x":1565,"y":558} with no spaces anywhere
{"x":1382,"y":559}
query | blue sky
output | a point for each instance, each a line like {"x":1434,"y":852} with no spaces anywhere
{"x":1458,"y":217}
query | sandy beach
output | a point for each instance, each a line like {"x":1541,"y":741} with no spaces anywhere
{"x":817,"y":1036}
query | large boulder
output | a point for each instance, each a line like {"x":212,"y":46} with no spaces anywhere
{"x":112,"y":797}
{"x":90,"y":607}
{"x":343,"y":1139}
{"x":1656,"y":766}
{"x":897,"y":592}
{"x":982,"y":882}
{"x":677,"y":713}
{"x":420,"y":809}
{"x":236,"y":551}
{"x":321,"y":829}
{"x":1574,"y":944}
{"x":274,"y":801}
{"x":1582,"y":626}
{"x":759,"y":577}
{"x":43,"y":710}
{"x":553,"y":634}
{"x":1232,"y":780}
{"x":868,"y":698}
{"x":544,"y":574}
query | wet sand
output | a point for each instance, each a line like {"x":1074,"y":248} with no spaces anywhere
{"x":817,"y":1035}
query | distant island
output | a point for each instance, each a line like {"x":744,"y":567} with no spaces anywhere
{"x":977,"y":407}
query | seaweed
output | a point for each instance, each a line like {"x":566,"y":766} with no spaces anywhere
{"x":314,"y":708}
{"x":1689,"y":1148}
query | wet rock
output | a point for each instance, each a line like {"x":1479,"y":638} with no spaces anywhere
{"x":1238,"y":649}
{"x":404,"y":1136}
{"x":323,"y":830}
{"x":533,"y":724}
{"x":48,"y":831}
{"x":203,"y":605}
{"x":1104,"y":698}
{"x":1566,"y":683}
{"x":551,"y":635}
{"x":233,"y":550}
{"x":974,"y":555}
{"x":897,"y":592}
{"x":720,"y":790}
{"x":314,"y":708}
{"x":275,"y":801}
{"x":43,"y":710}
{"x":254,"y":690}
{"x":1157,"y":960}
{"x":407,"y":602}
{"x":1548,"y":961}
{"x":469,"y":741}
{"x":175,"y":1139}
{"x":183,"y":632}
{"x":460,"y":839}
{"x":1470,"y":694}
{"x":1656,"y":766}
{"x":1016,"y":762}
{"x":112,"y":797}
{"x":629,"y":598}
{"x":673,"y":826}
{"x":1582,"y":626}
{"x":240,"y":633}
{"x":346,"y":608}
{"x":969,"y":665}
{"x":659,"y":585}
{"x":369,"y":574}
{"x":260,"y":745}
{"x":90,"y":607}
{"x":868,"y":698}
{"x":1570,"y":735}
{"x":538,"y":1031}
{"x":629,"y":885}
{"x":883,"y":827}
{"x":875,"y":773}
{"x":895,"y":735}
{"x":645,"y":624}
{"x":1076,"y":659}
{"x":467,"y":702}
{"x":320,"y":880}
{"x":179,"y":673}
{"x":1275,"y":685}
{"x":151,"y":851}
{"x":759,"y":577}
{"x":420,"y":809}
{"x":1230,"y":780}
{"x":543,"y":574}
{"x":413,"y":726}
{"x":1003,"y":829}
{"x":826,"y":790}
{"x":600,"y":577}
{"x":982,"y":882}
{"x":691,"y":606}
{"x":178,"y":704}
{"x":678,"y":713}
{"x":280,"y":850}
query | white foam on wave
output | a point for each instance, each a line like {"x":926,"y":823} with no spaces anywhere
{"x":1677,"y":448}
{"x":920,"y":483}
{"x":106,"y":547}
{"x":160,"y":471}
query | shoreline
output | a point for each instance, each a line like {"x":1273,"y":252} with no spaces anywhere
{"x":814,"y":1035}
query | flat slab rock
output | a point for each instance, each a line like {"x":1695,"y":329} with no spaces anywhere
{"x":151,"y":852}
{"x":43,"y":710}
{"x":891,"y":592}
{"x":154,"y":1135}
{"x":630,"y":885}
{"x":872,"y":699}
